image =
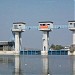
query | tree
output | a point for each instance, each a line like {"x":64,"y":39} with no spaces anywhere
{"x":52,"y":46}
{"x":56,"y":47}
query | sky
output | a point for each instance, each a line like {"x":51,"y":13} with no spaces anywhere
{"x":33,"y":11}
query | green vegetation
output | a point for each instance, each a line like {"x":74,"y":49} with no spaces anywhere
{"x":56,"y":47}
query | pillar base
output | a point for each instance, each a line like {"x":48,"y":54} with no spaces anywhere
{"x":17,"y":53}
{"x":72,"y":50}
{"x":44,"y":52}
{"x":9,"y":53}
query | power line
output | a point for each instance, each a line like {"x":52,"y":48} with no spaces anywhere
{"x":54,"y":27}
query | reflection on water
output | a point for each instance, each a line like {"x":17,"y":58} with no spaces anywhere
{"x":17,"y":65}
{"x":37,"y":65}
{"x":46,"y":65}
{"x":73,"y":64}
{"x":6,"y":65}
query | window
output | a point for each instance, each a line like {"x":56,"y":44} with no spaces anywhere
{"x":70,"y":23}
{"x":43,"y":24}
{"x":1,"y":47}
{"x":44,"y":48}
{"x":15,"y":27}
{"x":74,"y":24}
{"x":48,"y":24}
{"x":19,"y":25}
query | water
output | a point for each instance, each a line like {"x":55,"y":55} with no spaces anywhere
{"x":37,"y":65}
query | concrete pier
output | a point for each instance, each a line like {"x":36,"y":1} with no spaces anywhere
{"x":8,"y":53}
{"x":72,"y":28}
{"x":17,"y":29}
{"x":45,"y":27}
{"x":44,"y":52}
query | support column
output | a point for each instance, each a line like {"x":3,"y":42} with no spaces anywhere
{"x":20,"y":40}
{"x":73,"y":45}
{"x":72,"y":28}
{"x":17,"y":42}
{"x":45,"y":40}
{"x":72,"y":48}
{"x":73,"y":37}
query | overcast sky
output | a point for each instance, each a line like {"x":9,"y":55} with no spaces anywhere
{"x":33,"y":11}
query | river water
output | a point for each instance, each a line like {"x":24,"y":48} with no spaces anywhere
{"x":37,"y":65}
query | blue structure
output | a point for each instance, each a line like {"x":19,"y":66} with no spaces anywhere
{"x":53,"y":52}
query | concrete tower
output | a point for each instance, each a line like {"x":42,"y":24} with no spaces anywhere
{"x":72,"y":28}
{"x":17,"y":29}
{"x":45,"y":27}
